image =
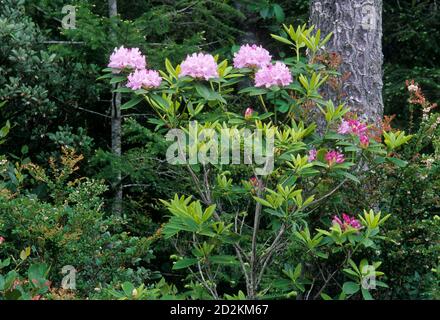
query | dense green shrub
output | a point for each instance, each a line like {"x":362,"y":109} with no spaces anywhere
{"x":70,"y":228}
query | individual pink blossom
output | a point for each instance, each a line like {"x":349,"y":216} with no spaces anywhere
{"x":147,"y":79}
{"x":344,"y":127}
{"x":127,"y":58}
{"x":199,"y":66}
{"x":347,"y":222}
{"x":312,"y":155}
{"x":2,"y":240}
{"x":358,"y":128}
{"x":251,"y":56}
{"x":365,"y":141}
{"x":277,"y":74}
{"x":248,"y":113}
{"x":352,"y":126}
{"x":332,"y":157}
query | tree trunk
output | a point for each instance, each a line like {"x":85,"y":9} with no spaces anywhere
{"x":357,"y":37}
{"x":116,"y":134}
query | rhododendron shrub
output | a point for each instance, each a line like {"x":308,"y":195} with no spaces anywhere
{"x":272,"y":233}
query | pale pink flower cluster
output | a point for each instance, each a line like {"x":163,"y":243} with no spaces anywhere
{"x":199,"y":66}
{"x":277,"y":74}
{"x":312,"y":155}
{"x":332,"y":157}
{"x":251,"y":56}
{"x":123,"y":58}
{"x":357,"y":128}
{"x":132,"y":58}
{"x":147,"y":79}
{"x":347,"y":222}
{"x":2,"y":239}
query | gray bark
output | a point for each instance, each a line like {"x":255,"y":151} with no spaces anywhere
{"x":357,"y":37}
{"x":116,"y":134}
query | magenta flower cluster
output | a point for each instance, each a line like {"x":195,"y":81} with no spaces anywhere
{"x":347,"y":222}
{"x":130,"y":58}
{"x":357,"y":128}
{"x":277,"y":74}
{"x":199,"y":66}
{"x":252,"y":56}
{"x":332,"y":157}
{"x":147,"y":79}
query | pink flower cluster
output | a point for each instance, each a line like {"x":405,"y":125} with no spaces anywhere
{"x":251,"y":56}
{"x":312,"y":155}
{"x":352,"y":126}
{"x":199,"y":66}
{"x":347,"y":222}
{"x":2,"y":239}
{"x":147,"y":79}
{"x":277,"y":74}
{"x":332,"y":157}
{"x":130,"y":58}
{"x":357,"y":128}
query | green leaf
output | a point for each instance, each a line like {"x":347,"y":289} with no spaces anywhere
{"x":123,"y":90}
{"x":350,"y":287}
{"x":366,"y":294}
{"x":2,"y":283}
{"x":37,"y":274}
{"x":170,"y":68}
{"x":223,"y":259}
{"x":279,"y":13}
{"x":263,"y":202}
{"x":24,"y":150}
{"x":326,"y":296}
{"x":106,"y":76}
{"x":184,"y":263}
{"x":203,"y":91}
{"x":208,"y":94}
{"x":25,"y":253}
{"x":275,"y":213}
{"x":281,"y":39}
{"x":128,"y":288}
{"x":398,"y":162}
{"x":5,"y":130}
{"x":117,"y":80}
{"x":349,"y":176}
{"x":132,"y":103}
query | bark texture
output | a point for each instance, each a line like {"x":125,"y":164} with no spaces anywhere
{"x":116,"y":134}
{"x":357,"y":37}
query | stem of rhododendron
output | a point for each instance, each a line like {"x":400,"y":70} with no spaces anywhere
{"x":263,"y":103}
